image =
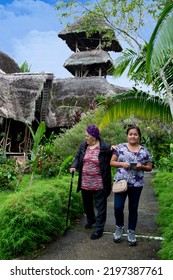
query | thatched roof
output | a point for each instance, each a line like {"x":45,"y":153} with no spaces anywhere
{"x":7,"y":64}
{"x":71,"y":94}
{"x":19,"y":94}
{"x":78,"y":32}
{"x":89,"y":60}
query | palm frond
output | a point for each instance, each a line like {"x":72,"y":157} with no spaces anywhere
{"x":123,"y":62}
{"x":160,"y":46}
{"x":134,"y":63}
{"x":137,"y":104}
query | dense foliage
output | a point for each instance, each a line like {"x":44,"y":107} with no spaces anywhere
{"x":35,"y":215}
{"x":67,"y":143}
{"x":10,"y":173}
{"x":36,"y":212}
{"x":163,"y":183}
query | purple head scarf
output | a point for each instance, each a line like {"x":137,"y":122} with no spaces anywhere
{"x":93,"y":131}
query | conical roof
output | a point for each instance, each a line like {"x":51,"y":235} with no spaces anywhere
{"x":89,"y":60}
{"x":79,"y":33}
{"x":7,"y":64}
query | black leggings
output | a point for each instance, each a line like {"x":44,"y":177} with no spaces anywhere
{"x":101,"y":206}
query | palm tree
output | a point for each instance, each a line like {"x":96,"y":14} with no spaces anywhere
{"x":153,"y":65}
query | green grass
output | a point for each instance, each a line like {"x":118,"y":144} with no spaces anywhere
{"x":35,"y":214}
{"x":163,"y":183}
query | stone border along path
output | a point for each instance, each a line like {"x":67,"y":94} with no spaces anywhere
{"x":77,"y":245}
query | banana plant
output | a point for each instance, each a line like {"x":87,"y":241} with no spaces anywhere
{"x":37,"y":136}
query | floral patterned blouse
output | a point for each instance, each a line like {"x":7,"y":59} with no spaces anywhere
{"x":136,"y":177}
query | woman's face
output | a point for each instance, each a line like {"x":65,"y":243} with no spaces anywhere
{"x":133,"y":136}
{"x":89,"y":138}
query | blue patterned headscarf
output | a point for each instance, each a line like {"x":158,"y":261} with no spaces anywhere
{"x":93,"y":131}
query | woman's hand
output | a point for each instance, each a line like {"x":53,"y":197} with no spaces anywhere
{"x":113,"y":147}
{"x":147,"y":167}
{"x":125,"y":165}
{"x":72,"y":169}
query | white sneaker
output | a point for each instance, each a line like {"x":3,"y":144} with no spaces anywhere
{"x":118,"y":234}
{"x":131,"y":237}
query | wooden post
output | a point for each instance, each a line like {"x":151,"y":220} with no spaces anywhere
{"x":7,"y":129}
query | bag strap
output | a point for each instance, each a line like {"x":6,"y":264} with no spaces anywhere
{"x":129,"y":175}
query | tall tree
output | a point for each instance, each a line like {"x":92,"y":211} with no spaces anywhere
{"x":126,"y":17}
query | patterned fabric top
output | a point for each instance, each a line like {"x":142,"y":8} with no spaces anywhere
{"x":91,"y":177}
{"x":136,"y":177}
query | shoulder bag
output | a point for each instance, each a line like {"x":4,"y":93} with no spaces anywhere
{"x":121,"y":185}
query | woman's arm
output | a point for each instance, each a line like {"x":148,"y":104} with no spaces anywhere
{"x":75,"y":163}
{"x":115,"y":163}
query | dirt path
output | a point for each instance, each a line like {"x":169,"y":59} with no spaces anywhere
{"x":77,"y":245}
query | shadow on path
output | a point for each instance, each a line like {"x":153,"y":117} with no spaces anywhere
{"x":77,"y":245}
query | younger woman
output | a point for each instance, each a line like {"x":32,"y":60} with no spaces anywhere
{"x":131,"y":160}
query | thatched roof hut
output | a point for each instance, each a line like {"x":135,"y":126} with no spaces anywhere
{"x":80,"y":35}
{"x":25,"y":96}
{"x":7,"y":64}
{"x":24,"y":99}
{"x":21,"y":94}
{"x":91,"y":63}
{"x":29,"y":98}
{"x":73,"y":95}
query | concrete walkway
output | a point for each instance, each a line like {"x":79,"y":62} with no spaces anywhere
{"x":77,"y":245}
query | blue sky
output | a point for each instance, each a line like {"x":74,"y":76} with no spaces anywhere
{"x":29,"y":31}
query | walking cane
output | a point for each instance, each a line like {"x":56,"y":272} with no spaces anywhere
{"x":69,"y":200}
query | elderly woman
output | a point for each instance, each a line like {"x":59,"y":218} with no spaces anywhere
{"x":93,"y":163}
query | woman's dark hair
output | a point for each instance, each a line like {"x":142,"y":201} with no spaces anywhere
{"x":134,"y":127}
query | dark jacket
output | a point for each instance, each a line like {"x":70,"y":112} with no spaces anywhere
{"x":104,"y":161}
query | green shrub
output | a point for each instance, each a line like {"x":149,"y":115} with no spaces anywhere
{"x":163,"y":182}
{"x":67,"y":143}
{"x":9,"y":174}
{"x":49,"y":167}
{"x":36,"y":214}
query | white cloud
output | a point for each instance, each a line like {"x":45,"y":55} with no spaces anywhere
{"x":44,"y":52}
{"x":29,"y":31}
